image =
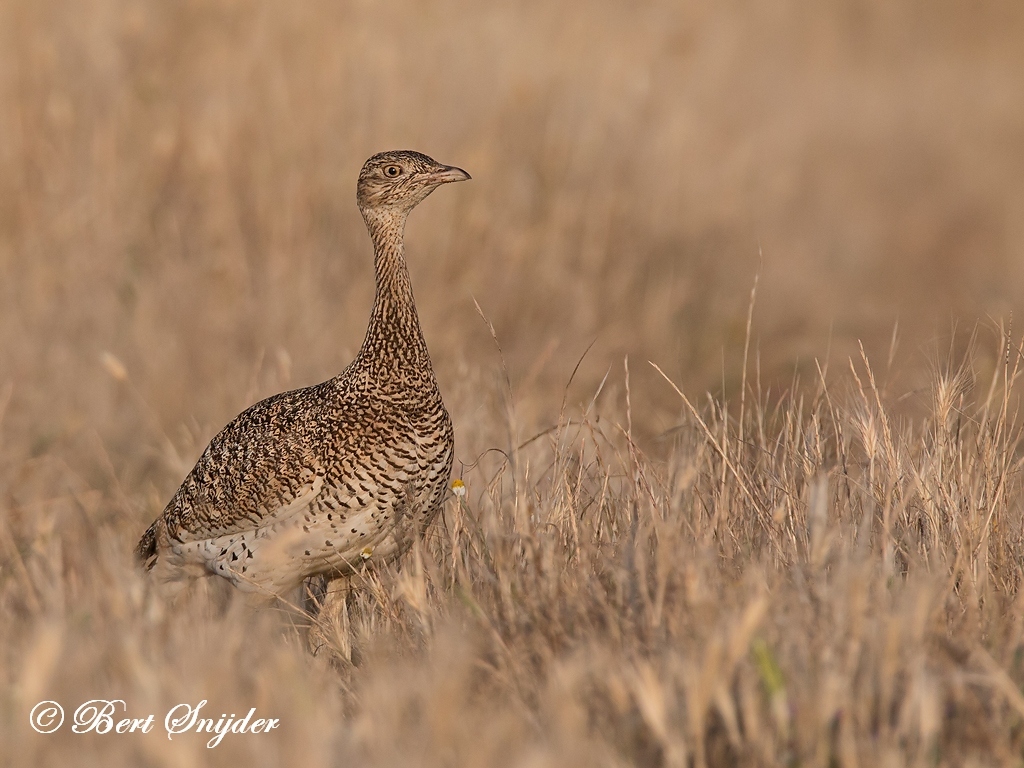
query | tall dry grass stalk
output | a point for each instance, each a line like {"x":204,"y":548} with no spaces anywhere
{"x":809,"y":566}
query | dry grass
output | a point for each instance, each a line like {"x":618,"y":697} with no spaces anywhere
{"x":818,"y":564}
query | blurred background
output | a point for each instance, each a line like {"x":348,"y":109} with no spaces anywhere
{"x":178,"y":231}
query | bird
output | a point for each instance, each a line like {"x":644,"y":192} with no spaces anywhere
{"x":324,"y":479}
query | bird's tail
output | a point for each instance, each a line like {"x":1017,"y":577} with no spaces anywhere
{"x":145,"y":550}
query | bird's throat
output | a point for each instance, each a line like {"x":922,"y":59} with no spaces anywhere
{"x":394,"y":343}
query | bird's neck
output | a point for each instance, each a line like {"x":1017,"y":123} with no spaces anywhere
{"x":394,"y":346}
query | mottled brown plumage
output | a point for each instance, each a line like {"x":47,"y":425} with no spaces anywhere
{"x":317,"y":480}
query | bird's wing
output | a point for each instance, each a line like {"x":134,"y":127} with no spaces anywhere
{"x":259,"y":468}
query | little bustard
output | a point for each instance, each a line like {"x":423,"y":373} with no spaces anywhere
{"x":317,"y":480}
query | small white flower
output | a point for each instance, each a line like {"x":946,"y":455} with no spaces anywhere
{"x":365,"y":554}
{"x":458,"y":488}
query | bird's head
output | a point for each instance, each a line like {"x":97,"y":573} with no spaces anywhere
{"x":401,"y":178}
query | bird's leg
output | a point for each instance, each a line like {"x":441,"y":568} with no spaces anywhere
{"x":330,"y":625}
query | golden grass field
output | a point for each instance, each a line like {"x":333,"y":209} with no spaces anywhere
{"x":805,"y":555}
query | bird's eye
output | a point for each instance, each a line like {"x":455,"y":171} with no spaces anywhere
{"x":393,"y":170}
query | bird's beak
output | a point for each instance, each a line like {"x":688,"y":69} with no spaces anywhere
{"x":448,"y":173}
